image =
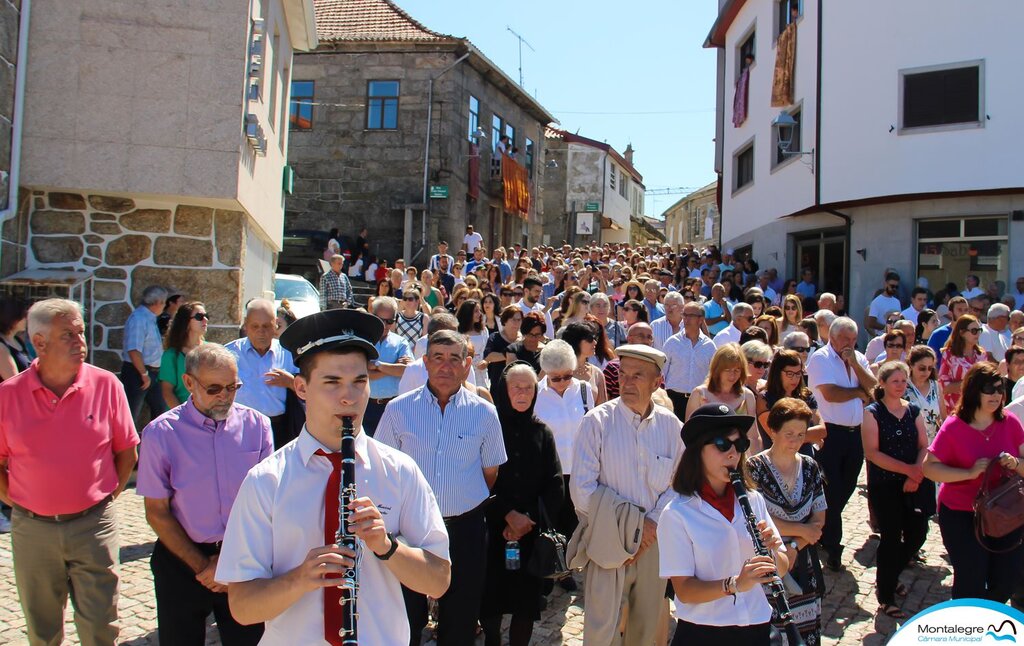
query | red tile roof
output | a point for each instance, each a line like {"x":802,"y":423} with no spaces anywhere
{"x":369,"y":20}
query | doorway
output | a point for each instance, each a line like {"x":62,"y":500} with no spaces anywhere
{"x":824,"y":252}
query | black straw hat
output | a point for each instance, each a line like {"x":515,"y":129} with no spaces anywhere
{"x":333,"y":329}
{"x":713,"y":418}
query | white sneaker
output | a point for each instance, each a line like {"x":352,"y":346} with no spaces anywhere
{"x":5,"y":525}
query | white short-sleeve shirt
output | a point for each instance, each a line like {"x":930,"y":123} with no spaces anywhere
{"x":826,"y":367}
{"x":472,"y":241}
{"x":882,"y":305}
{"x":278,"y":517}
{"x":563,"y":415}
{"x":696,"y":540}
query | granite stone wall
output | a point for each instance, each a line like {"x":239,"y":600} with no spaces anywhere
{"x":129,"y":244}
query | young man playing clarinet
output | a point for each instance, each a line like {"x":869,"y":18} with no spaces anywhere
{"x":279,"y":552}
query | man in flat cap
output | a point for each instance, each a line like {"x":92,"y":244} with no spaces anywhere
{"x":279,"y":558}
{"x":627,"y":447}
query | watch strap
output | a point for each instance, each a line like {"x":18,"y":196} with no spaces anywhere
{"x":394,"y":547}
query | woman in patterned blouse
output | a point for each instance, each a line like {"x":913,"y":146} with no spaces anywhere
{"x":958,"y":355}
{"x":793,"y":489}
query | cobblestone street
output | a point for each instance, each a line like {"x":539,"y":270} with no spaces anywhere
{"x":849,"y":609}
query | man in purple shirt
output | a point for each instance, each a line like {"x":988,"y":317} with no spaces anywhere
{"x":195,"y":459}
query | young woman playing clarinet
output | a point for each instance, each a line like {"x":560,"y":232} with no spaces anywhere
{"x":706,"y":548}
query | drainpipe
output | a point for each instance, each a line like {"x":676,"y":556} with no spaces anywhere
{"x":426,"y":145}
{"x":18,"y":120}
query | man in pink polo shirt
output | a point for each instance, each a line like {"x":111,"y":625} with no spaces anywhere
{"x":67,"y":447}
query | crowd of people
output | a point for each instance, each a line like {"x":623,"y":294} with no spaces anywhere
{"x":610,"y":395}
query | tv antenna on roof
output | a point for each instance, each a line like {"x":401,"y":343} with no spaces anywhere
{"x":522,"y":41}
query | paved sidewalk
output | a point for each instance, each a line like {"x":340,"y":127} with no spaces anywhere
{"x":849,"y":607}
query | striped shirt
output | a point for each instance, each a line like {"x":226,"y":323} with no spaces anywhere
{"x":451,"y":447}
{"x":662,"y":329}
{"x":635,"y":457}
{"x":688,"y":363}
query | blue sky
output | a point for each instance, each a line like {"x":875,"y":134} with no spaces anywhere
{"x":632,"y":59}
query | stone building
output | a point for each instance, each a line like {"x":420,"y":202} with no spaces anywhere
{"x":694,"y":219}
{"x":152,"y":150}
{"x":591,"y":193}
{"x":395,"y":127}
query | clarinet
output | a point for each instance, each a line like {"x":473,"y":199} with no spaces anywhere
{"x":775,"y":591}
{"x":345,"y":537}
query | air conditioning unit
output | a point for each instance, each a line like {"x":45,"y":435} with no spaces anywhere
{"x":253,"y":131}
{"x":255,"y":65}
{"x":259,"y":26}
{"x":256,"y":49}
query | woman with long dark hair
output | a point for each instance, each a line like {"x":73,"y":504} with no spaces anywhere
{"x":471,"y":325}
{"x":634,"y":311}
{"x":583,"y":337}
{"x":188,"y":328}
{"x":497,"y":344}
{"x":13,"y":353}
{"x":975,"y":435}
{"x":491,"y":306}
{"x":959,"y":355}
{"x":705,"y":549}
{"x":785,"y":379}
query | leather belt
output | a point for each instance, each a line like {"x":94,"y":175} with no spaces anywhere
{"x":380,"y":401}
{"x":63,"y":518}
{"x":840,"y":426}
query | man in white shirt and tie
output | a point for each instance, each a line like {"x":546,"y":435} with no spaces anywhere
{"x":279,"y":558}
{"x":630,"y":446}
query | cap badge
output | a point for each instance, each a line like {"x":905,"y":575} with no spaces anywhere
{"x":724,"y":409}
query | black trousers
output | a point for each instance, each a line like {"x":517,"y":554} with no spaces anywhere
{"x":183,"y":604}
{"x":566,"y":520}
{"x":978,"y":573}
{"x":459,"y":609}
{"x":374,"y":411}
{"x":281,"y":431}
{"x":153,"y":396}
{"x":841,"y":459}
{"x":679,"y":401}
{"x":902,"y":532}
{"x":688,"y":634}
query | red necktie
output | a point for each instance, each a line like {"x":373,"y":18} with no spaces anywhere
{"x":332,"y":595}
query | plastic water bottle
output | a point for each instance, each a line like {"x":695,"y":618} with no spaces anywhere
{"x":512,"y":555}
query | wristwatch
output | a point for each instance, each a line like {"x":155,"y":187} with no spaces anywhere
{"x":793,"y":544}
{"x":391,"y":550}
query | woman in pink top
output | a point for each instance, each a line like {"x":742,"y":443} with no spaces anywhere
{"x":958,"y":355}
{"x":977,"y":433}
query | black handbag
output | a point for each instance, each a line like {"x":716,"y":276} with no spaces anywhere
{"x":547,"y":559}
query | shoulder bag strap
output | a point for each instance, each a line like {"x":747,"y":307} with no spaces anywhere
{"x":545,"y":521}
{"x":584,"y":387}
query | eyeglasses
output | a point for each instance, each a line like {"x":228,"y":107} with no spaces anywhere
{"x":992,"y":388}
{"x":893,"y":346}
{"x":410,"y":298}
{"x":559,"y":379}
{"x":723,"y":444}
{"x":973,"y":330}
{"x":761,"y":365}
{"x":200,"y":316}
{"x":790,"y":307}
{"x":217,"y":389}
{"x":800,"y":349}
{"x":536,"y":335}
{"x":793,"y":374}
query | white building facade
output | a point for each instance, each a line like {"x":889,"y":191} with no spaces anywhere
{"x":907,"y":128}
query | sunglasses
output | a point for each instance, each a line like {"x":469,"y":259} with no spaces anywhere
{"x":217,"y":389}
{"x":557,"y":380}
{"x":973,"y":330}
{"x":388,"y":321}
{"x":893,"y":286}
{"x":992,"y":388}
{"x":761,"y":365}
{"x":801,"y":350}
{"x":892,"y":321}
{"x":517,"y":294}
{"x":723,"y":444}
{"x":410,"y":298}
{"x":200,"y":316}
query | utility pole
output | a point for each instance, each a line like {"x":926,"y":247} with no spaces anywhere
{"x":522,"y":41}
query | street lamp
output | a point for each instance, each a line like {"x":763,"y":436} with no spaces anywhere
{"x":784,"y":127}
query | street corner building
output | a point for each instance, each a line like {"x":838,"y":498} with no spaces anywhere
{"x":850,"y":140}
{"x":145,"y":143}
{"x":398,"y":128}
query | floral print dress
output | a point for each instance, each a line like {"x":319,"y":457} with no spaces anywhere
{"x":954,"y":369}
